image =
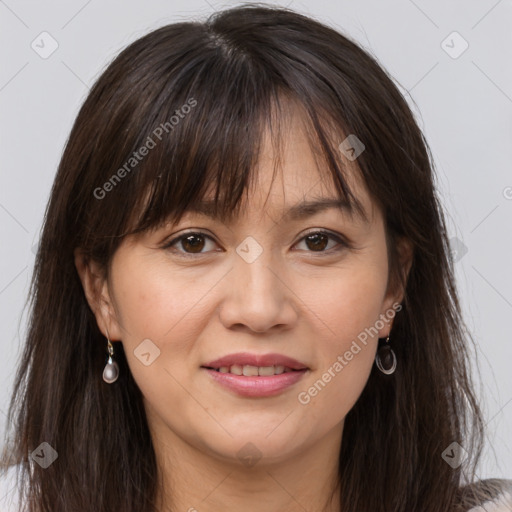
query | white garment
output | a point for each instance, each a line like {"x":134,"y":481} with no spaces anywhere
{"x":502,"y":503}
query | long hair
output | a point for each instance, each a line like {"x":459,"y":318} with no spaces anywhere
{"x":198,"y":95}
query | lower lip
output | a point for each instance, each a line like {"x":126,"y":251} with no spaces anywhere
{"x":257,"y":386}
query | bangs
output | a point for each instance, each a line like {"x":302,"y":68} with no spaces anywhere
{"x":216,"y":157}
{"x":193,"y":127}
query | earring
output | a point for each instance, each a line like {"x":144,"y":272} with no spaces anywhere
{"x":111,"y":370}
{"x":386,"y":359}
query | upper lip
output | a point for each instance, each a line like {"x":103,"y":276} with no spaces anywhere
{"x":245,"y":358}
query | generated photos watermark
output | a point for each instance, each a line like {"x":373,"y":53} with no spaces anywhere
{"x":305,"y":397}
{"x":149,"y":144}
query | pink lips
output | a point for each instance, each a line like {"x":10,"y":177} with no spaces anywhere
{"x":256,"y":386}
{"x":244,"y":358}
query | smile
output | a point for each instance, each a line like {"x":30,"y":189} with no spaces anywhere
{"x":255,"y":375}
{"x":254,"y":371}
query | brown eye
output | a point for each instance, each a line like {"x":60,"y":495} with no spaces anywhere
{"x":190,"y":243}
{"x":318,"y":241}
{"x":193,"y":243}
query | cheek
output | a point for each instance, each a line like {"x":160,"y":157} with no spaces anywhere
{"x":145,"y":305}
{"x":166,"y":307}
{"x":347,"y":313}
{"x":151,"y":301}
{"x":347,"y":303}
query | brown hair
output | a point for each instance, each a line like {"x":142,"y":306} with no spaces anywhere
{"x":209,"y":87}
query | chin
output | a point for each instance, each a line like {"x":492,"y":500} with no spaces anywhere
{"x":254,"y":444}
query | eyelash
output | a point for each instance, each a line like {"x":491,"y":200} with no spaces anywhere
{"x":342,"y":243}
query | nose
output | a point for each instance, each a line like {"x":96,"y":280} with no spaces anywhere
{"x":257,"y":297}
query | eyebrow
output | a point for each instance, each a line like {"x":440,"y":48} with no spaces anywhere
{"x":298,"y":211}
{"x":309,"y":208}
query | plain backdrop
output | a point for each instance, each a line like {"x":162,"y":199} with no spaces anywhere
{"x":452,"y":61}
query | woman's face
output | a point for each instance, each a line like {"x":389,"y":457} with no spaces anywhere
{"x":249,"y":288}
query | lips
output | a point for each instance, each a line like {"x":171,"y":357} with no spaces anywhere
{"x":253,"y":375}
{"x":256,"y":360}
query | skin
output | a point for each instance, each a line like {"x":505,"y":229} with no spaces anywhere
{"x":293,"y":300}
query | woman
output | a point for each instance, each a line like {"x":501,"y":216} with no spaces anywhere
{"x":243,"y":297}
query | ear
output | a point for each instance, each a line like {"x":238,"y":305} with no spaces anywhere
{"x":396,"y":291}
{"x":97,"y":293}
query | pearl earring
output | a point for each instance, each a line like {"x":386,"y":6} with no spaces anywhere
{"x":111,"y":370}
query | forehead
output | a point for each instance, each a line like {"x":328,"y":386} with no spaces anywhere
{"x":296,"y":193}
{"x":289,"y":170}
{"x":292,"y":179}
{"x":296,"y":211}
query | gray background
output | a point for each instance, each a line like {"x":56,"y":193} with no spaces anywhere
{"x":463,"y":104}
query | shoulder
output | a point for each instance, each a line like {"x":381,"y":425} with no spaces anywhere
{"x":491,"y":495}
{"x":9,"y":489}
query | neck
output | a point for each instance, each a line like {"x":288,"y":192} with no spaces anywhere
{"x":194,"y":481}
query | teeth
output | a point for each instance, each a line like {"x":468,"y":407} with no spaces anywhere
{"x":250,"y":371}
{"x":279,"y":370}
{"x":253,"y":371}
{"x":236,"y":369}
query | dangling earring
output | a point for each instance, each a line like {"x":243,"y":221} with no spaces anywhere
{"x":386,"y":358}
{"x":111,"y":370}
